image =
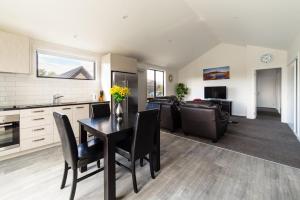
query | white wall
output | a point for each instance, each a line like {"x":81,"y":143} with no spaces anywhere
{"x":243,"y":62}
{"x":253,"y":63}
{"x":221,"y":55}
{"x":294,"y":49}
{"x":28,"y":89}
{"x":268,"y":88}
{"x":142,"y":81}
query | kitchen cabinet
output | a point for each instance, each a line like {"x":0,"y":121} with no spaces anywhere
{"x":66,"y":110}
{"x":14,"y":53}
{"x":36,"y":141}
{"x":35,"y":128}
{"x":38,"y":128}
{"x":79,"y":112}
{"x":36,"y":112}
{"x":74,"y":114}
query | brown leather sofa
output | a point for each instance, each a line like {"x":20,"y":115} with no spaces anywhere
{"x":169,"y":113}
{"x":204,"y":120}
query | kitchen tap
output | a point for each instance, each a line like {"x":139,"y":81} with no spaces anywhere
{"x":56,"y":98}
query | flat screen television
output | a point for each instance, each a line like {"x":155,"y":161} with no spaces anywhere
{"x":215,"y":92}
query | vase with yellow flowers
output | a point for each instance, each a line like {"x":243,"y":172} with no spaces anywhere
{"x":119,"y":93}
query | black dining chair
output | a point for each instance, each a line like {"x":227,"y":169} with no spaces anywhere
{"x":76,"y":156}
{"x":141,"y":143}
{"x":100,"y":110}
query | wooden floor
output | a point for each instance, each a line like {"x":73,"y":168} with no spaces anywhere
{"x":190,"y":170}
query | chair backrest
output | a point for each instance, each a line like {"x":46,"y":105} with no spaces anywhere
{"x":145,"y":131}
{"x":68,"y":141}
{"x":100,"y":110}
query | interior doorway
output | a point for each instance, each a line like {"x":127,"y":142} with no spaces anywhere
{"x":293,"y":96}
{"x":268,"y":94}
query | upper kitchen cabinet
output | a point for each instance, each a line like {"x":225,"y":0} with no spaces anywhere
{"x":14,"y":53}
{"x":119,"y":63}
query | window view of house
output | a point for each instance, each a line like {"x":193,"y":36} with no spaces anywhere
{"x":155,"y":83}
{"x":52,"y":66}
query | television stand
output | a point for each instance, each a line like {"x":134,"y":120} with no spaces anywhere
{"x":226,"y":106}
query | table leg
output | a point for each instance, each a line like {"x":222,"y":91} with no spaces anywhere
{"x":82,"y":139}
{"x":156,"y":154}
{"x":109,"y":170}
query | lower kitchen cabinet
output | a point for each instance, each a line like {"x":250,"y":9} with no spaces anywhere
{"x":74,"y":114}
{"x":36,"y":141}
{"x":66,"y":110}
{"x":79,"y":112}
{"x":37,"y":127}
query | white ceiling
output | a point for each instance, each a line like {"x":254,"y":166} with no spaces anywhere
{"x":163,"y":32}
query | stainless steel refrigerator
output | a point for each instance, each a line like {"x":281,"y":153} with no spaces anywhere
{"x":130,"y":80}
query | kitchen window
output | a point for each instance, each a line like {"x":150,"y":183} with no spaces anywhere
{"x":155,"y":83}
{"x":64,"y":67}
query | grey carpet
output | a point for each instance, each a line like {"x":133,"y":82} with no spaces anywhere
{"x":265,"y":137}
{"x":268,"y":114}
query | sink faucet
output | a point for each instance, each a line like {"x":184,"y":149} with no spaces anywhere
{"x":56,"y":98}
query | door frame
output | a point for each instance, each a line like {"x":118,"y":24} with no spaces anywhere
{"x":296,"y":123}
{"x":254,"y":83}
{"x":256,"y":92}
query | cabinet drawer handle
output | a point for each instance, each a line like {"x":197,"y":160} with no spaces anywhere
{"x":37,"y":119}
{"x":37,"y":140}
{"x":4,"y":125}
{"x":66,"y":108}
{"x":80,"y":107}
{"x":38,"y":111}
{"x":38,"y":129}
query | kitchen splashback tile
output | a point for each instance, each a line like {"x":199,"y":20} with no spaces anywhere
{"x":27,"y":89}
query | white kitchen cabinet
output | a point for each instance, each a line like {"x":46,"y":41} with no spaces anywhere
{"x":35,"y":112}
{"x":36,"y":128}
{"x":36,"y":141}
{"x":66,"y":110}
{"x":14,"y":53}
{"x":33,"y":121}
{"x":79,"y":112}
{"x":37,"y":131}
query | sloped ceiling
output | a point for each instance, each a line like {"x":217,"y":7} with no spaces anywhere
{"x":167,"y":33}
{"x":267,"y":23}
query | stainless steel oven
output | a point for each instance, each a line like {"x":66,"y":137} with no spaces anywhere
{"x":9,"y":132}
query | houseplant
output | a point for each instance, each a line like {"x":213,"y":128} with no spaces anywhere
{"x":181,"y":91}
{"x":119,"y":93}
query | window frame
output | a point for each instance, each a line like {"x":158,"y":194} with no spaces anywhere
{"x":155,"y":70}
{"x":65,"y":56}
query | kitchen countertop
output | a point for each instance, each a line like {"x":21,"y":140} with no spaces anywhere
{"x":43,"y":105}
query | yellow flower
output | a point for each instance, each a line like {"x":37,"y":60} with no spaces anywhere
{"x":118,"y":90}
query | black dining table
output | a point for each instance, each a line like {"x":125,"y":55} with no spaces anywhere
{"x":110,"y":131}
